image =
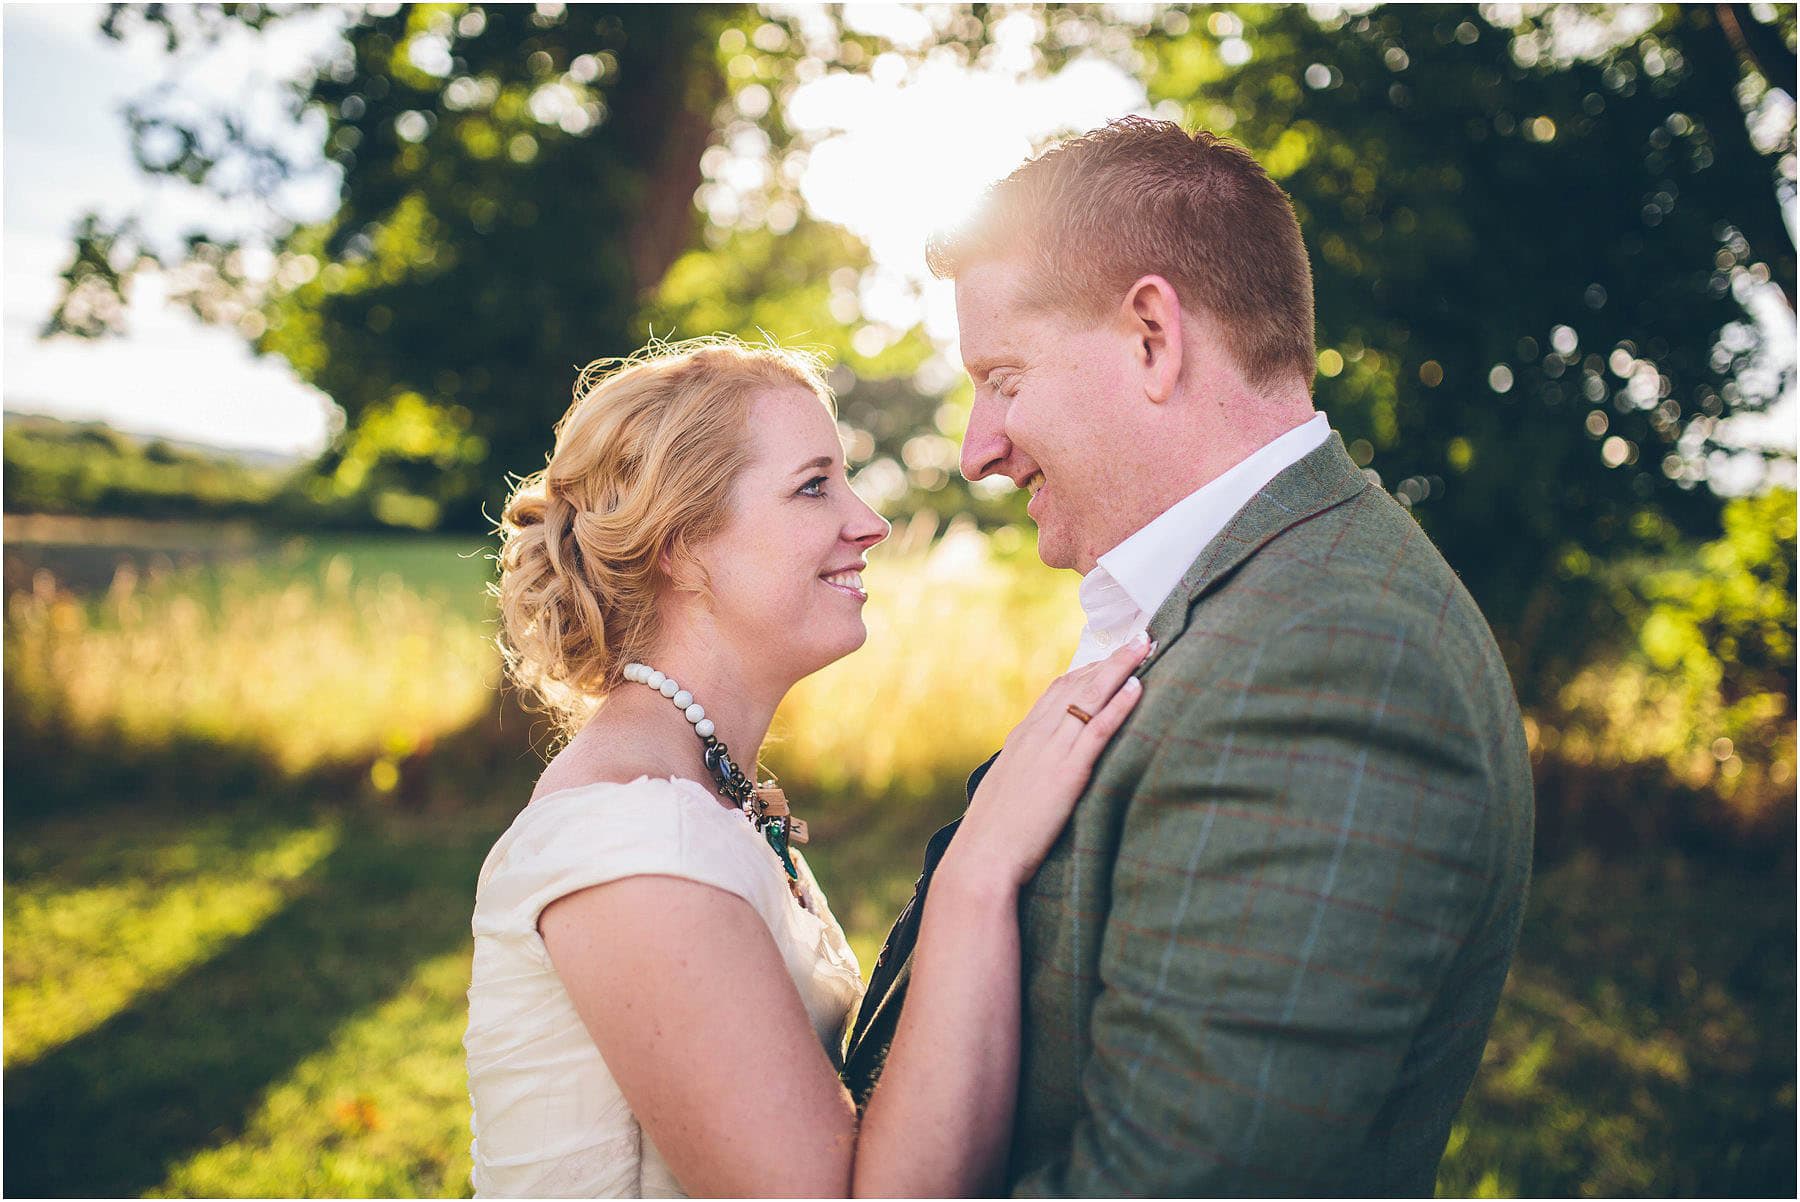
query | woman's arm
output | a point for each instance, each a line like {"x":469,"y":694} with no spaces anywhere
{"x":940,"y":1119}
{"x":687,"y":998}
{"x":689,"y":1002}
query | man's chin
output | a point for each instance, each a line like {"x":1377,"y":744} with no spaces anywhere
{"x":1054,"y":549}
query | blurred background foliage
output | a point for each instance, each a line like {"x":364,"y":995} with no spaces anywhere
{"x":1554,"y":262}
{"x":1536,"y":235}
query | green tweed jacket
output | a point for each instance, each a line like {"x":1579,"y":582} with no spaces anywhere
{"x":1264,"y":956}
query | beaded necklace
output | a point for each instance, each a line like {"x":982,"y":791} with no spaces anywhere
{"x":764,"y":804}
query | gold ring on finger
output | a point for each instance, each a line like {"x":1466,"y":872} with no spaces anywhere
{"x":1082,"y":715}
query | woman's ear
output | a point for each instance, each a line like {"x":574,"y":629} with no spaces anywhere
{"x":1152,"y":313}
{"x":672,"y":562}
{"x":682,"y":570}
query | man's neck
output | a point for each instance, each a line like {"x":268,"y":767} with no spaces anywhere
{"x":1189,"y":464}
{"x":1148,"y":564}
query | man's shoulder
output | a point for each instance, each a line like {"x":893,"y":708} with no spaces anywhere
{"x":1367,"y":559}
{"x":1355,"y":600}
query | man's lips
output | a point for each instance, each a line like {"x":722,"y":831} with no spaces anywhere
{"x":1035,"y":483}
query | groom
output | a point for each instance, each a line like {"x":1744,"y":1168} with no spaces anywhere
{"x":1264,"y":956}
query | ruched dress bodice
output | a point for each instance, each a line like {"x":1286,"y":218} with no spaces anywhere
{"x":548,"y":1119}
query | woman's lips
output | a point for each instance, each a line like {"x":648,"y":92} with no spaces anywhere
{"x":847,"y":582}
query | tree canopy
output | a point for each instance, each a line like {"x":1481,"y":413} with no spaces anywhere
{"x":1537,"y":234}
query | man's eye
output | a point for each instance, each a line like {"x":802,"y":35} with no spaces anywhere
{"x":814,"y":487}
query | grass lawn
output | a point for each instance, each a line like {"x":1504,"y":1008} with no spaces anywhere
{"x":1645,"y":1043}
{"x":249,"y":980}
{"x":270,"y":1002}
{"x":312,"y":1050}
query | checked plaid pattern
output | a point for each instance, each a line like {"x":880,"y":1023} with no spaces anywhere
{"x":1265,"y":953}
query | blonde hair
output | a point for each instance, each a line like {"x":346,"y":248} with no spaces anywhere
{"x":1139,"y":197}
{"x":643,"y":467}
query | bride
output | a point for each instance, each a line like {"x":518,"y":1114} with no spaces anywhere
{"x":660,"y":991}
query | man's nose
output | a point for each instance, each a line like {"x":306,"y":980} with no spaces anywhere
{"x":985,"y":447}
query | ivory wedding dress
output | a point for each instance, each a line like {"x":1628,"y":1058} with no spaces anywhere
{"x":548,"y":1118}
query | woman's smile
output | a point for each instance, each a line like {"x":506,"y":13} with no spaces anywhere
{"x":848,"y":580}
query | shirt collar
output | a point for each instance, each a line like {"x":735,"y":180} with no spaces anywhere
{"x":1150,"y":563}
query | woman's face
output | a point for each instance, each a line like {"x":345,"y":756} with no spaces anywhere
{"x":785,"y":571}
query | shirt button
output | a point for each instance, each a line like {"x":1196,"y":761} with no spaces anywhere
{"x":1104,"y":638}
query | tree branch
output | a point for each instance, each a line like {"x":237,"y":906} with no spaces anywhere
{"x":1758,"y":45}
{"x":1760,"y":219}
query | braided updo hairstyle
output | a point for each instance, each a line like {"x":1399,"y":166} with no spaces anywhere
{"x":643,"y":468}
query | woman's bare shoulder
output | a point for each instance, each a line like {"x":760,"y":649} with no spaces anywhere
{"x":603,"y":753}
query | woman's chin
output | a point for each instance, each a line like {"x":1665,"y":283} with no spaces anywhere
{"x":855,"y":644}
{"x":852,"y":638}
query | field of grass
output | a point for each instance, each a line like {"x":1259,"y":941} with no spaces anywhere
{"x":271,"y":1003}
{"x":239,"y":985}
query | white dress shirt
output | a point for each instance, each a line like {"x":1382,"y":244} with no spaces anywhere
{"x":1130,"y":582}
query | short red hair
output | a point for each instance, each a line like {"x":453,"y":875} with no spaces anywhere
{"x":1136,"y":197}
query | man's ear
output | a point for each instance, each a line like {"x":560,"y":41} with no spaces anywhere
{"x":1153,"y":315}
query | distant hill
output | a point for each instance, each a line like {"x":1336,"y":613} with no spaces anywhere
{"x":248,"y":456}
{"x":90,"y":469}
{"x":94,"y":469}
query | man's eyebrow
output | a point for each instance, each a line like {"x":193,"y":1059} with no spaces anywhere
{"x":820,"y":464}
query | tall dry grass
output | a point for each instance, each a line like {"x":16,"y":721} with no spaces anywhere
{"x":961,"y":642}
{"x":270,"y":1002}
{"x":301,"y":669}
{"x":330,"y":659}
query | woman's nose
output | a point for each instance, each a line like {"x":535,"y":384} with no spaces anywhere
{"x":866,"y":527}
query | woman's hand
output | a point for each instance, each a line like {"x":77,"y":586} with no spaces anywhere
{"x":1026,"y":797}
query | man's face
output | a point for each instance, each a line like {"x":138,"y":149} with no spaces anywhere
{"x":1051,"y":398}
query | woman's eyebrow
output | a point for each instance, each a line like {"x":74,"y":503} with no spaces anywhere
{"x":815,"y":465}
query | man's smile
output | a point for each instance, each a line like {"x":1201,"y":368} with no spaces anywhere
{"x":1034,"y":484}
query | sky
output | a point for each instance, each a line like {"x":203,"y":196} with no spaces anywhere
{"x":880,"y":135}
{"x":66,"y":152}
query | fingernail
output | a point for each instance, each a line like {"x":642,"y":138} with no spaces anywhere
{"x":1140,"y":638}
{"x":1152,"y":650}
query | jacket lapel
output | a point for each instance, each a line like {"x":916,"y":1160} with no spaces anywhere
{"x":1322,"y":479}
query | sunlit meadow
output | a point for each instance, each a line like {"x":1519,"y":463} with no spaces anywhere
{"x":213,"y":992}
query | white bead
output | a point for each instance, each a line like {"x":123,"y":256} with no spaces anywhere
{"x":693,"y":712}
{"x":668,"y":688}
{"x":683,"y":699}
{"x":634,"y":672}
{"x":655,"y":679}
{"x":704,"y":727}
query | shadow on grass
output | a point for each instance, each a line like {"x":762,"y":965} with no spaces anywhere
{"x":54,"y":772}
{"x":181,"y":1068}
{"x":1645,"y":1045}
{"x":1645,"y":1042}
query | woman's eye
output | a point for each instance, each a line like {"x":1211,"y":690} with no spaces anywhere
{"x":814,"y":487}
